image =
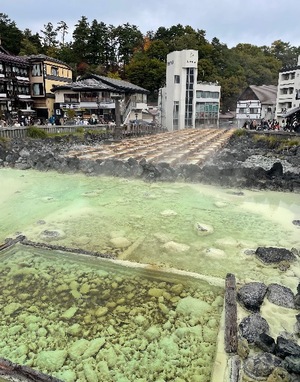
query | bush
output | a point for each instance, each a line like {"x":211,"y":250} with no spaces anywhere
{"x":240,"y":132}
{"x":36,"y":132}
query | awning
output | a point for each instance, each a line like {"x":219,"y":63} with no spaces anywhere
{"x":291,"y":112}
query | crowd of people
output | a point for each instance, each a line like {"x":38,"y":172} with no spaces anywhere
{"x":285,"y":125}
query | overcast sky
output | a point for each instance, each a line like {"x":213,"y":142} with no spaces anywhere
{"x":258,"y":22}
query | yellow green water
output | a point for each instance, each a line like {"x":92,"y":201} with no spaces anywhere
{"x":151,"y":223}
{"x":63,"y":299}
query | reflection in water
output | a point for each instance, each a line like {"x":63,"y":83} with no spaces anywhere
{"x":190,"y":227}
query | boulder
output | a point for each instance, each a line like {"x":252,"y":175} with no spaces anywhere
{"x":286,"y":348}
{"x":260,"y":366}
{"x":281,"y":296}
{"x":251,"y":296}
{"x":271,"y":255}
{"x":252,"y":326}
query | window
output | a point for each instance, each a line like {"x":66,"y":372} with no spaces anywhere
{"x":54,"y":71}
{"x":37,"y":89}
{"x":253,"y":110}
{"x":189,"y":97}
{"x":71,"y":98}
{"x":36,"y":70}
{"x":176,"y":79}
{"x":175,"y":115}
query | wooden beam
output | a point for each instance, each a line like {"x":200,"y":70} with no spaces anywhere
{"x":230,"y":339}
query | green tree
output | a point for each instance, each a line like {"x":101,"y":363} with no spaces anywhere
{"x":62,"y":28}
{"x":147,"y":73}
{"x":10,"y":35}
{"x":81,"y":36}
{"x":50,"y":37}
{"x":30,"y":44}
{"x":128,"y":40}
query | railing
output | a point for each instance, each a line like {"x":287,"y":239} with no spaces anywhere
{"x":130,"y":130}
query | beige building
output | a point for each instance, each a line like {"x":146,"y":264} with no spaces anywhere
{"x":45,"y":73}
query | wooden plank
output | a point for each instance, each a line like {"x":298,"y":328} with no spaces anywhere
{"x":230,"y":339}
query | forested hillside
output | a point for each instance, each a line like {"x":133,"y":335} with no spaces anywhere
{"x":124,"y":52}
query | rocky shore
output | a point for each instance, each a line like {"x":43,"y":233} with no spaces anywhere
{"x":271,"y":163}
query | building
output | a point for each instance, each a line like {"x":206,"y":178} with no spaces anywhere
{"x":92,"y":96}
{"x":45,"y":73}
{"x":207,"y":104}
{"x":256,"y":103}
{"x":288,"y":94}
{"x":15,"y":97}
{"x":183,"y":102}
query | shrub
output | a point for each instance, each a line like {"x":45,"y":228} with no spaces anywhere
{"x":240,"y":132}
{"x":36,"y":132}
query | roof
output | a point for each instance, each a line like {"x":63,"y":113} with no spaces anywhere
{"x":43,"y":57}
{"x":13,"y":59}
{"x":291,"y":112}
{"x":123,"y":86}
{"x":101,"y":83}
{"x":87,"y":84}
{"x":266,"y":94}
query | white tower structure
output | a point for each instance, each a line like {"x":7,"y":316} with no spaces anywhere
{"x":179,"y":95}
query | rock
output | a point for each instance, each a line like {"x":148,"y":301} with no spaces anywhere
{"x":281,"y":295}
{"x":52,"y":235}
{"x":68,"y":314}
{"x":285,"y":348}
{"x":292,"y":365}
{"x":101,"y":311}
{"x":172,"y":246}
{"x":252,"y":326}
{"x":192,"y":306}
{"x":51,"y":360}
{"x":265,"y":343}
{"x":214,"y":252}
{"x":276,"y":170}
{"x":203,"y":229}
{"x":152,"y":333}
{"x":120,"y":242}
{"x":155,"y":292}
{"x":271,"y":255}
{"x":11,"y":308}
{"x":296,"y":222}
{"x":94,"y":346}
{"x":260,"y":366}
{"x":167,"y":213}
{"x":251,"y":296}
{"x":78,"y":348}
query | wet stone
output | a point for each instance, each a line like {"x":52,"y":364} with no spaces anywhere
{"x":252,"y":326}
{"x":261,"y":365}
{"x":281,"y":295}
{"x":251,"y":296}
{"x":271,"y":255}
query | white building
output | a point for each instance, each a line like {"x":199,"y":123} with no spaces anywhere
{"x":288,"y":94}
{"x":256,"y":103}
{"x":184,"y":103}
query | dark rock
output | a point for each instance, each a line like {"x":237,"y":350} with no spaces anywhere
{"x":275,"y":170}
{"x":251,"y":296}
{"x":296,"y":222}
{"x":281,"y":295}
{"x":261,"y":365}
{"x":271,"y":255}
{"x":292,"y":365}
{"x":265,"y":343}
{"x":252,"y":326}
{"x":286,"y":348}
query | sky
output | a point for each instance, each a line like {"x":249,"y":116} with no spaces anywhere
{"x":257,"y":22}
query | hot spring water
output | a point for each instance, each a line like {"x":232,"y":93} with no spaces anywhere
{"x":75,"y":316}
